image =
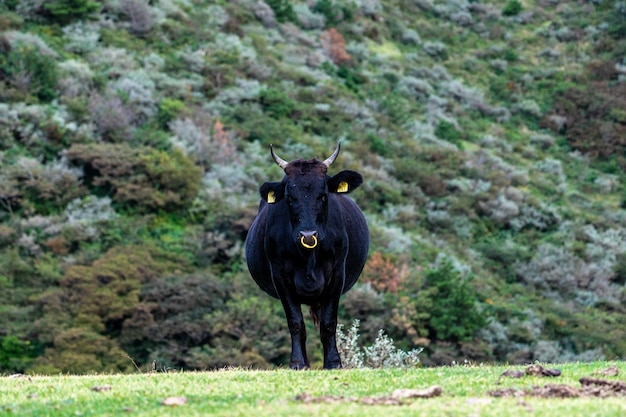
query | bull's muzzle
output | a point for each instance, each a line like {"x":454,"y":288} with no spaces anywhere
{"x":308,"y":240}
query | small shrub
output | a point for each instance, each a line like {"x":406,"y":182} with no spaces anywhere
{"x":276,"y":103}
{"x":29,"y":70}
{"x":449,"y":132}
{"x":140,"y":15}
{"x":9,"y":5}
{"x":9,"y":20}
{"x":335,"y":12}
{"x":309,"y":19}
{"x":169,"y":109}
{"x":64,"y":11}
{"x":89,"y":210}
{"x":335,"y":47}
{"x":15,"y":354}
{"x":264,"y":13}
{"x":512,"y":8}
{"x":593,"y":121}
{"x":452,"y":304}
{"x":283,"y":10}
{"x":435,"y":49}
{"x":383,"y":274}
{"x":75,"y":79}
{"x":113,"y":118}
{"x":381,"y":354}
{"x":48,"y":187}
{"x":137,"y":91}
{"x":81,"y":37}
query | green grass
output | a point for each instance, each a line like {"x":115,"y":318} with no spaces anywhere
{"x":241,"y":392}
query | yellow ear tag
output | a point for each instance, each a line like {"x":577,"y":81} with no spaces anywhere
{"x":342,"y":187}
{"x":271,"y":198}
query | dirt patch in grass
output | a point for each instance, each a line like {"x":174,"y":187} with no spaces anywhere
{"x":590,"y":387}
{"x":397,"y":397}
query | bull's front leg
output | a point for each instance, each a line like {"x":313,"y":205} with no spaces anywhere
{"x":293,"y":312}
{"x":297,"y":330}
{"x":328,"y":333}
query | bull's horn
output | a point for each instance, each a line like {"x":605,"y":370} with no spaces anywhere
{"x":280,"y":161}
{"x":332,"y":158}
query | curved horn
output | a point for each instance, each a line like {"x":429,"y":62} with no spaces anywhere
{"x":332,"y":158}
{"x":279,"y":161}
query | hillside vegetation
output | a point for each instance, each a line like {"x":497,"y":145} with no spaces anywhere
{"x":134,"y":136}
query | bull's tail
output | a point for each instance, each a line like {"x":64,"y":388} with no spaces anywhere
{"x":316,"y":311}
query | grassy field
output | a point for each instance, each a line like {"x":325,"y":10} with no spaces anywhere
{"x":238,"y":392}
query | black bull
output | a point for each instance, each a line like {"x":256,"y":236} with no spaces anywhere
{"x":308,"y":245}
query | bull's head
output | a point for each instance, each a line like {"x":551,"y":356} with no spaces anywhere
{"x":305,"y":191}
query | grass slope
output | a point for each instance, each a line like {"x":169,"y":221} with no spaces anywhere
{"x":240,"y":392}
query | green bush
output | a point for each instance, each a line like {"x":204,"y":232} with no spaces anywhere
{"x":9,"y":4}
{"x":451,"y":303}
{"x":169,"y":109}
{"x":283,"y":10}
{"x":139,"y":178}
{"x":512,"y":8}
{"x":334,"y":13}
{"x":352,"y":79}
{"x":276,"y":103}
{"x":447,"y":131}
{"x":65,"y":11}
{"x":29,"y":70}
{"x":15,"y":354}
{"x":80,"y":351}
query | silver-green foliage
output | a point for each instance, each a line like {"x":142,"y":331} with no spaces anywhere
{"x":381,"y":354}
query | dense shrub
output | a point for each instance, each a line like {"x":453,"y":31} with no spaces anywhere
{"x":283,"y":10}
{"x":276,"y":103}
{"x":451,"y":303}
{"x":81,"y":37}
{"x":15,"y":354}
{"x":67,"y":10}
{"x":334,"y":11}
{"x":169,"y":109}
{"x":48,"y":187}
{"x":512,"y":8}
{"x":595,"y":122}
{"x":142,"y":178}
{"x":111,"y":116}
{"x":30,"y":71}
{"x":81,"y":351}
{"x":169,"y":319}
{"x":140,"y":15}
{"x":335,"y":47}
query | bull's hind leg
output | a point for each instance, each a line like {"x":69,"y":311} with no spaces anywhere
{"x":328,"y":333}
{"x":297,"y":329}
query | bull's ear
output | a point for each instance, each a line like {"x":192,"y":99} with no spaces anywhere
{"x":345,"y":182}
{"x":272,"y":192}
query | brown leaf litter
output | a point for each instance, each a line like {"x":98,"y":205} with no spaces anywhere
{"x":397,"y":397}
